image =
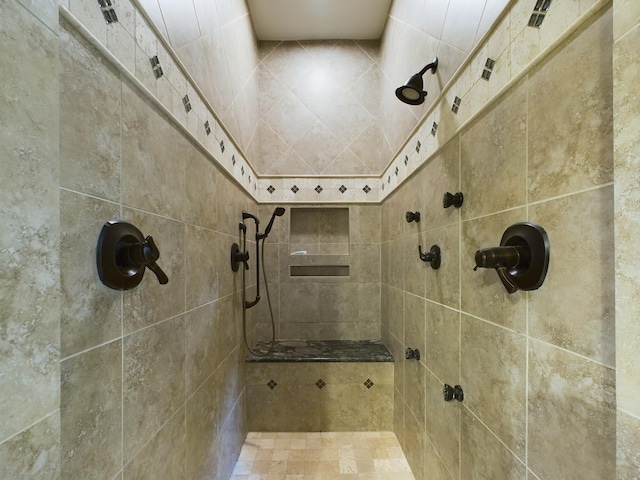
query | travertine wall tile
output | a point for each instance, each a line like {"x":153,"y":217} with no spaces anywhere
{"x":34,"y":452}
{"x":164,"y":455}
{"x":558,"y":378}
{"x":91,"y":412}
{"x":477,"y":441}
{"x":30,"y":235}
{"x":151,"y":302}
{"x":91,"y":312}
{"x":572,"y":149}
{"x":153,"y":381}
{"x":577,"y":226}
{"x":90,"y":107}
{"x":493,"y":374}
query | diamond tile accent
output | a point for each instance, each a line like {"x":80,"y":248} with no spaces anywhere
{"x":272,"y":384}
{"x":222,"y":146}
{"x":108,"y":12}
{"x":207,"y":127}
{"x":396,"y":170}
{"x":368,"y":383}
{"x":318,"y":189}
{"x":294,"y":189}
{"x":434,"y":129}
{"x":456,"y":104}
{"x":488,"y":68}
{"x":418,"y":145}
{"x":366,"y":189}
{"x":242,"y":170}
{"x":320,"y":384}
{"x":233,"y":158}
{"x":406,"y":160}
{"x":186,"y":103}
{"x":342,"y":189}
{"x":539,"y":12}
{"x":271,"y":189}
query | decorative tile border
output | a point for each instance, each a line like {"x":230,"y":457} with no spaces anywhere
{"x":132,"y":44}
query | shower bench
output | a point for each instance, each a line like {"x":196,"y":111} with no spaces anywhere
{"x":321,"y":385}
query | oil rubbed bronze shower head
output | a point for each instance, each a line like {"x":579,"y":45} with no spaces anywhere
{"x":411,"y":92}
{"x":278,"y":212}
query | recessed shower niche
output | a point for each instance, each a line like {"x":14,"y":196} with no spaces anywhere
{"x":319,"y":242}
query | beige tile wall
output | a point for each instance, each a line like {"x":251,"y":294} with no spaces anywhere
{"x":319,"y":112}
{"x":533,"y":364}
{"x":341,"y":403}
{"x":29,"y":242}
{"x":151,"y":378}
{"x":626,"y":31}
{"x":322,"y":308}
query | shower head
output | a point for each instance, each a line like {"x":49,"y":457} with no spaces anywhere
{"x":411,"y":92}
{"x":278,"y":212}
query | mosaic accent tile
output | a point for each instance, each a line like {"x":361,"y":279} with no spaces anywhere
{"x":539,"y":12}
{"x":320,"y":384}
{"x":488,"y":68}
{"x":434,"y":129}
{"x":418,"y":145}
{"x":207,"y":127}
{"x":108,"y":12}
{"x":155,"y":66}
{"x":222,"y":146}
{"x":233,"y":159}
{"x":318,"y":189}
{"x":396,"y":171}
{"x":295,"y":189}
{"x":271,"y":189}
{"x":456,"y":104}
{"x":366,"y":189}
{"x":272,"y":384}
{"x":186,"y":103}
{"x":406,"y":160}
{"x":368,"y":383}
{"x":342,"y":189}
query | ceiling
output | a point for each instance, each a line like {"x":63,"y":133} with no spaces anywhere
{"x":318,"y":19}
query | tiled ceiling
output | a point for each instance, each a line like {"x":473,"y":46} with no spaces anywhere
{"x":318,"y":19}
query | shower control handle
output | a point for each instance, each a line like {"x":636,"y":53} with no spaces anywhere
{"x":143,"y":254}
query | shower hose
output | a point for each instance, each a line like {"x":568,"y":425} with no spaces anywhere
{"x":244,"y":308}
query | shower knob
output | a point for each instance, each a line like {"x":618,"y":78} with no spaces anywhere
{"x":452,"y":393}
{"x":450,"y":199}
{"x":413,"y":217}
{"x":410,"y":354}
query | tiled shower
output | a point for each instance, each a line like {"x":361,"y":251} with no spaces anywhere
{"x":151,"y":383}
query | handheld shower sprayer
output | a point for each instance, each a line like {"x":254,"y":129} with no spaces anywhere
{"x":278,"y":212}
{"x":238,"y":257}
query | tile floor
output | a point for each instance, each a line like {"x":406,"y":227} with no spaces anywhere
{"x":321,"y":456}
